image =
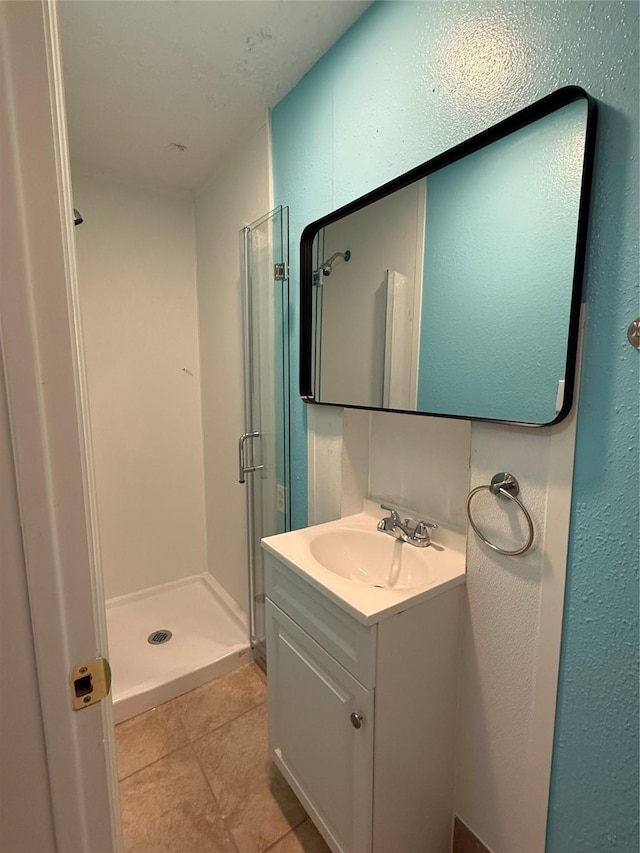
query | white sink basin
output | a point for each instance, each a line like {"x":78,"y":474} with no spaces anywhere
{"x":371,"y":557}
{"x":369,"y":573}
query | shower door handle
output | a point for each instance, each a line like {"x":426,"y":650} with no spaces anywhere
{"x":243,"y":468}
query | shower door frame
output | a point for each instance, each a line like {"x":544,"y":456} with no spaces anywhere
{"x":253,"y":456}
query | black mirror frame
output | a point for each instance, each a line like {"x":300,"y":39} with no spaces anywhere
{"x":539,"y":109}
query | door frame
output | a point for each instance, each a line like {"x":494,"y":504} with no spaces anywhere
{"x":41,"y":343}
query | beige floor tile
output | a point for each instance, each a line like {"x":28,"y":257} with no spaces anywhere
{"x":168,"y":807}
{"x":144,"y":739}
{"x":208,"y":707}
{"x":257,"y":804}
{"x":303,"y":839}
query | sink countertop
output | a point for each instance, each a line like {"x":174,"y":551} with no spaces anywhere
{"x":369,"y":604}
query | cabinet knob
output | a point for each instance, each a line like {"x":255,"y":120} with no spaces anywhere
{"x":356,"y":720}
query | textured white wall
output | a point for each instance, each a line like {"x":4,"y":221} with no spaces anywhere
{"x":237,"y":194}
{"x":326,"y":452}
{"x":410,"y":461}
{"x":512,"y":622}
{"x":421,"y":463}
{"x":136,"y":271}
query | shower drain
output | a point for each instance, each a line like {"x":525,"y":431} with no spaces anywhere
{"x":159,"y":637}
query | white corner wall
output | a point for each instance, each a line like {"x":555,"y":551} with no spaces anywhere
{"x":421,"y":463}
{"x":136,"y":271}
{"x":414,"y":462}
{"x":236,"y":195}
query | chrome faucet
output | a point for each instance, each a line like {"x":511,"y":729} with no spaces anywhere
{"x":411,"y":531}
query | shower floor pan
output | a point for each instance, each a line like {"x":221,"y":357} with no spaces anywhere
{"x":209,"y":637}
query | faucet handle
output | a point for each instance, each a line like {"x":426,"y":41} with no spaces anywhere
{"x":421,"y":531}
{"x":394,"y":512}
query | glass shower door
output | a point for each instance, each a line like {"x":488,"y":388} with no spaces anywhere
{"x":264,"y":447}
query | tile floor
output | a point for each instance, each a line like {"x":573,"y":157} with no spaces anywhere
{"x":195,"y":776}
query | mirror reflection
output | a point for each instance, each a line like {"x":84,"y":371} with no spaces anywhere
{"x":452,"y":294}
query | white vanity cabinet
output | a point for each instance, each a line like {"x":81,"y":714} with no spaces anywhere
{"x":361,"y":716}
{"x":326,"y":760}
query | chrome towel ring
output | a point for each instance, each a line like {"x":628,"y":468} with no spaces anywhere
{"x":502,"y":485}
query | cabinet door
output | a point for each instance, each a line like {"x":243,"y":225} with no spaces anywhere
{"x":326,"y":760}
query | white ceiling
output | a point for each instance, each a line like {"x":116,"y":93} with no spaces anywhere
{"x":159,"y":91}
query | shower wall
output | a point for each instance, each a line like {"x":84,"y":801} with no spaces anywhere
{"x":235,"y":195}
{"x":161,"y":298}
{"x":137,"y":281}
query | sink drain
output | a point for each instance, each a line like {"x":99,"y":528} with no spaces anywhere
{"x":159,"y":637}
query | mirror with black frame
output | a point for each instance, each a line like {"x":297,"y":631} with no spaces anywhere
{"x":454,"y":290}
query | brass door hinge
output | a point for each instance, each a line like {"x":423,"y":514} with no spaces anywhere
{"x":90,"y":683}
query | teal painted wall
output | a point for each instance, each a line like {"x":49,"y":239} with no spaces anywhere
{"x":401,"y":86}
{"x":500,"y":238}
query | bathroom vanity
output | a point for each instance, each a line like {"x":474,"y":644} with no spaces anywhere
{"x":362,"y":645}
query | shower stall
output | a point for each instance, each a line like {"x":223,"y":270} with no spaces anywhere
{"x":182,"y":570}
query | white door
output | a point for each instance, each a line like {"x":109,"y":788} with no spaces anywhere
{"x":39,"y":334}
{"x":321,"y":733}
